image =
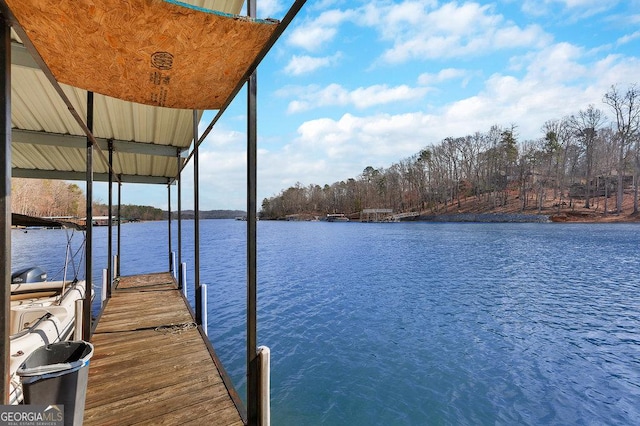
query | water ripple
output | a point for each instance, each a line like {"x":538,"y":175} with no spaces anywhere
{"x":438,"y":324}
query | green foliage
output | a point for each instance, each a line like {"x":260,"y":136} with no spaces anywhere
{"x":551,"y":142}
{"x":509,"y":145}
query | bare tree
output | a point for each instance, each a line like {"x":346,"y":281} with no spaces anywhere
{"x":46,"y":198}
{"x":585,"y":126}
{"x":626,"y":107}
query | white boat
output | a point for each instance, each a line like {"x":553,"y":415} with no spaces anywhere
{"x":41,"y":313}
{"x":337,"y":217}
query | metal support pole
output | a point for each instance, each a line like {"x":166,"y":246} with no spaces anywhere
{"x":119,"y":220}
{"x":5,"y":207}
{"x":110,"y":227}
{"x":86,"y":307}
{"x":169,"y":226}
{"x":253,"y":378}
{"x":180,"y":282}
{"x":196,"y":221}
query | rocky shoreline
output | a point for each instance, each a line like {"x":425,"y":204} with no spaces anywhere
{"x":485,"y":218}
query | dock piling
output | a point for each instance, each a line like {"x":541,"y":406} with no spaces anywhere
{"x":77,"y":332}
{"x":264,"y":357}
{"x":203,"y":288}
{"x":174,"y":270}
{"x":183,"y":278}
{"x":103,"y":293}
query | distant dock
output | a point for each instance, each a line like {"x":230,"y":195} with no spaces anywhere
{"x":152,"y":364}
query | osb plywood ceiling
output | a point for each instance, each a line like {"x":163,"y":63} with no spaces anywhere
{"x":151,"y":52}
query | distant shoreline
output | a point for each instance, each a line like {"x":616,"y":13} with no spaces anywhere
{"x":572,"y":216}
{"x":486,"y":218}
{"x":577,"y":216}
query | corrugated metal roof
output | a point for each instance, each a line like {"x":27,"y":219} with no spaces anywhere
{"x":49,"y":143}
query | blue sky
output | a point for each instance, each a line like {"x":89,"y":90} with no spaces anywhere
{"x":354,"y":83}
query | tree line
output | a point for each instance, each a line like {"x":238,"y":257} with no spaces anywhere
{"x":46,"y":198}
{"x":57,"y":198}
{"x":583,"y":156}
{"x":129,"y":212}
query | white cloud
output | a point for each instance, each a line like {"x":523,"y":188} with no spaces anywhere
{"x":423,"y":29}
{"x":557,"y":63}
{"x":360,"y":98}
{"x":305,"y":64}
{"x":222,"y":177}
{"x":311,"y":38}
{"x":575,"y":9}
{"x":312,"y":35}
{"x":269,"y":8}
{"x":328,"y":150}
{"x":628,"y":38}
{"x":455,"y":31}
{"x":446,"y":74}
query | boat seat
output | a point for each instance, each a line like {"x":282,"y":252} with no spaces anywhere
{"x":25,"y":317}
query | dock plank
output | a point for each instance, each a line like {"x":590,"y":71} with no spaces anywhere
{"x":150,"y":363}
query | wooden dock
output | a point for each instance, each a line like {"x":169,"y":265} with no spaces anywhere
{"x":151,"y":364}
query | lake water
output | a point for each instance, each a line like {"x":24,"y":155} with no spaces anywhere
{"x":417,"y":323}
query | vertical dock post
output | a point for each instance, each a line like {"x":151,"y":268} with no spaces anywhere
{"x":179,"y":196}
{"x":183,"y":278}
{"x":252,"y":156}
{"x":109,"y":279}
{"x":174,"y":270}
{"x":205,"y":327}
{"x":5,"y":206}
{"x":116,"y":266}
{"x":171,"y":263}
{"x":105,"y":287}
{"x":77,"y":332}
{"x":119,"y":221}
{"x":196,"y":220}
{"x":88,"y":263}
{"x":264,"y":355}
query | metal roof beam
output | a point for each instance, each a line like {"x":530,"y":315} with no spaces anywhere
{"x":21,"y":56}
{"x":70,"y":175}
{"x":47,"y":72}
{"x":73,"y":141}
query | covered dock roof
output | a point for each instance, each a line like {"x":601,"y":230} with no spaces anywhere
{"x":149,"y":63}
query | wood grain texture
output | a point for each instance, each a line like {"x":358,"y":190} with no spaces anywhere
{"x":146,"y":51}
{"x":150,"y":364}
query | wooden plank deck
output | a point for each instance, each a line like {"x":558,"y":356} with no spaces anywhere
{"x":150,"y":363}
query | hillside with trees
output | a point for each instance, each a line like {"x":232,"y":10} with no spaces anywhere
{"x":587,"y":162}
{"x":130,"y":212}
{"x":210,"y":214}
{"x":57,"y":198}
{"x":47,"y":198}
